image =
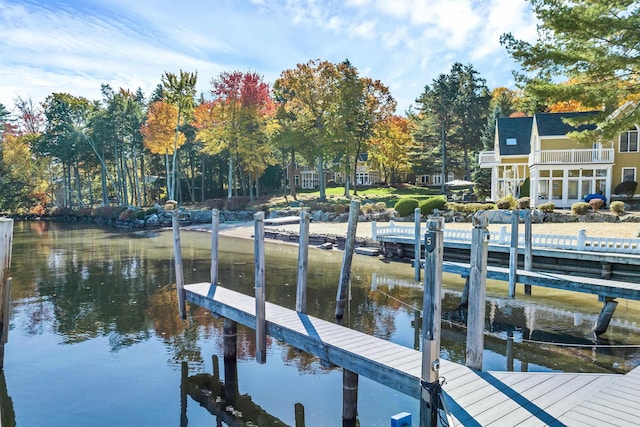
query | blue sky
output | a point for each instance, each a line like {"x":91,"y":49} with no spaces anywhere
{"x":76,"y":45}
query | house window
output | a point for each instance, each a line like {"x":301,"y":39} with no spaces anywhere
{"x":437,"y":179}
{"x":629,"y":141}
{"x":629,"y":174}
{"x":296,"y":180}
{"x":511,"y":141}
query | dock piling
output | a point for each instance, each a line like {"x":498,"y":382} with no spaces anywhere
{"x":432,"y":308}
{"x":261,"y":333}
{"x":477,"y":291}
{"x":345,"y":272}
{"x":215,"y":222}
{"x":230,"y":359}
{"x":177,"y":256}
{"x":416,"y":251}
{"x":303,"y":261}
{"x":528,"y":247}
{"x":513,"y":253}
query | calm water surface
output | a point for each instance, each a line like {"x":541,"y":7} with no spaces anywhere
{"x":96,"y":339}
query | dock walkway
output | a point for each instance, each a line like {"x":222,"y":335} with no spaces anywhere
{"x":589,"y":285}
{"x":474,"y":398}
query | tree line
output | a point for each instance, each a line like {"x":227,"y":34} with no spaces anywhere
{"x":130,"y":149}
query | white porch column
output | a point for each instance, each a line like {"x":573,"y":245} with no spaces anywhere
{"x":533,"y":187}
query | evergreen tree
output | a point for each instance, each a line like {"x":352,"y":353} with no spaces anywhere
{"x":594,"y":45}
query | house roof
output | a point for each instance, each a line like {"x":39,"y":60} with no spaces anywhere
{"x":510,"y":128}
{"x":553,"y":124}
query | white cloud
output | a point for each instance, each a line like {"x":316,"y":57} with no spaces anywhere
{"x":76,"y":46}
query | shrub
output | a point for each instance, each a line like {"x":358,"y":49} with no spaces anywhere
{"x":380,"y":207}
{"x":507,"y":202}
{"x":237,"y":203}
{"x":596,"y":204}
{"x":454,"y":206}
{"x":340,"y":209}
{"x":548,"y":207}
{"x":369,"y":208}
{"x":469,"y":208}
{"x":525,"y":188}
{"x":523,"y":203}
{"x":215,"y":204}
{"x":427,"y":206}
{"x":580,"y":208}
{"x":37,"y":210}
{"x":617,"y":207}
{"x":406,"y":206}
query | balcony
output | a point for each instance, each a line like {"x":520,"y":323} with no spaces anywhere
{"x":487,"y":159}
{"x":573,"y":156}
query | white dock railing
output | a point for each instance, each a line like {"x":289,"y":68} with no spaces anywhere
{"x":581,"y":242}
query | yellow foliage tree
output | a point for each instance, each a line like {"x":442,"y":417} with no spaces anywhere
{"x":159,"y":133}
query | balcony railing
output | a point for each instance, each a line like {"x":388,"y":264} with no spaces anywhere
{"x":573,"y":156}
{"x":488,"y":159}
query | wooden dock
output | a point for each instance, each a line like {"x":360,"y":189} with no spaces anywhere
{"x":589,"y":285}
{"x":473,"y":398}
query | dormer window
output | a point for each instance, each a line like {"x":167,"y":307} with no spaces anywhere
{"x":511,"y":141}
{"x":629,"y":141}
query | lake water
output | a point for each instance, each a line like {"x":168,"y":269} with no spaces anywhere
{"x":96,"y":340}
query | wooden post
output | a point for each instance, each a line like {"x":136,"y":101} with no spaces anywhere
{"x":510,"y":351}
{"x":477,"y":291}
{"x":229,"y":339}
{"x":215,"y":221}
{"x":528,"y":249}
{"x":349,"y":397}
{"x":513,"y":253}
{"x":215,"y":367}
{"x":464,"y":298}
{"x":6,"y":237}
{"x":602,"y":323}
{"x":184,"y":382}
{"x":431,"y":317}
{"x":345,"y":272}
{"x":299,"y":414}
{"x":261,"y":333}
{"x":177,"y":255}
{"x":303,"y":261}
{"x":416,"y":251}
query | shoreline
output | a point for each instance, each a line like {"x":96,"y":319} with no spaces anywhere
{"x":244,"y":229}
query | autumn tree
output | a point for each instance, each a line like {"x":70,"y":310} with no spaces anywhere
{"x":236,"y":122}
{"x":592,"y":44}
{"x":390,"y":146}
{"x":30,"y":118}
{"x":178,"y":90}
{"x":159,"y":134}
{"x":308,"y":94}
{"x":361,"y":104}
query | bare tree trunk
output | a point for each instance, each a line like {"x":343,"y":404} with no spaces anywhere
{"x":76,"y":173}
{"x":292,"y":169}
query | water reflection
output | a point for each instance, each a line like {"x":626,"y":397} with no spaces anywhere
{"x":80,"y":287}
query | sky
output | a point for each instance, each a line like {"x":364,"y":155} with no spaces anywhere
{"x":74,"y":46}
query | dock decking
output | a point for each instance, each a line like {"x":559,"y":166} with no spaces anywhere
{"x":473,"y":398}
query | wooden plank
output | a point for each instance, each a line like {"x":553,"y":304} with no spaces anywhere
{"x":539,"y":398}
{"x":484,"y":397}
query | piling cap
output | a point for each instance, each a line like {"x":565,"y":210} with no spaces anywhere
{"x":170,"y":205}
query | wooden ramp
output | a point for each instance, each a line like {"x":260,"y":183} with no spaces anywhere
{"x":473,"y":398}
